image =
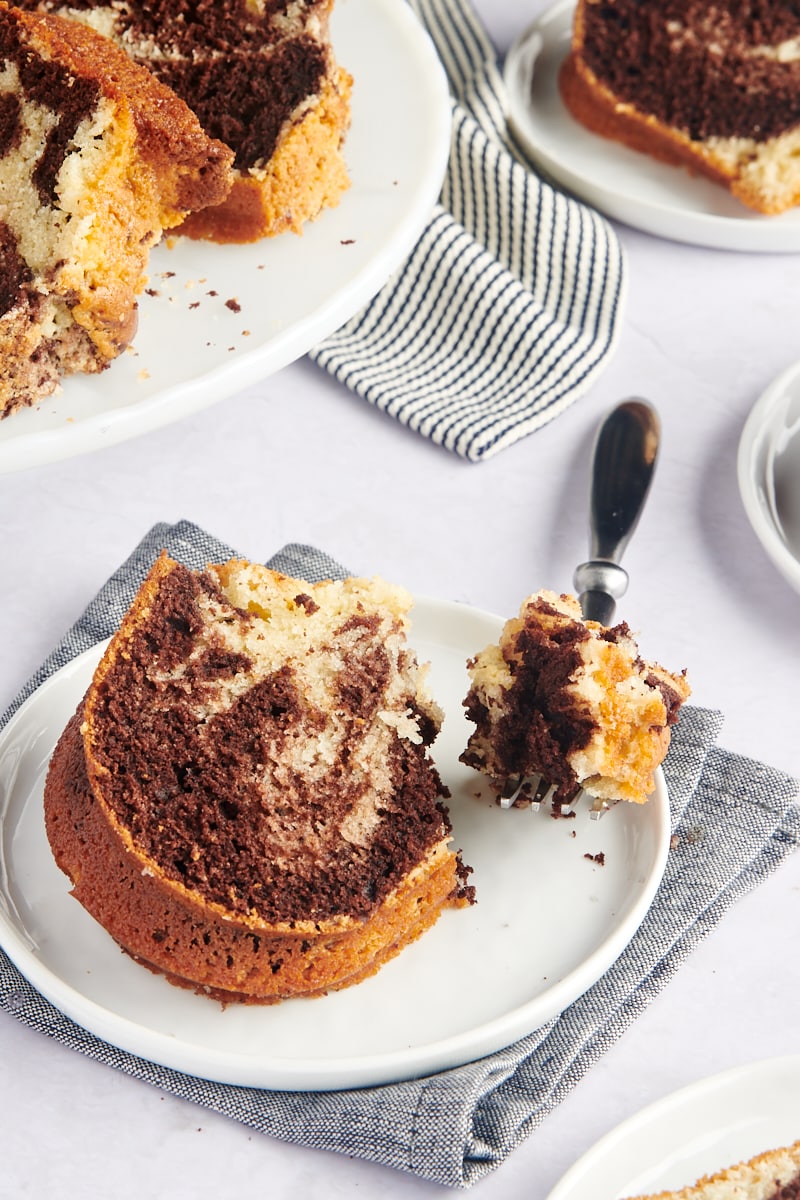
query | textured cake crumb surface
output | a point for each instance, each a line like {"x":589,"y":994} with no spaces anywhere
{"x":712,"y":87}
{"x":771,"y":1175}
{"x":262,"y":78}
{"x":570,"y":700}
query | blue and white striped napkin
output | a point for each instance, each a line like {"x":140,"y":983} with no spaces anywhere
{"x":509,"y":306}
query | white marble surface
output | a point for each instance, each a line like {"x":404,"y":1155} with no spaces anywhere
{"x":297,"y":458}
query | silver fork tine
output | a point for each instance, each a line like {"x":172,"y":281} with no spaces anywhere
{"x":510,"y":791}
{"x":535,"y":790}
{"x":568,"y":805}
{"x":599,"y":807}
{"x":539,"y":793}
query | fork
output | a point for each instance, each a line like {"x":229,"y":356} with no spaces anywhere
{"x":624,"y":460}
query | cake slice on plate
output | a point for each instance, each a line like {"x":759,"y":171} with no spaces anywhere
{"x":246,"y":800}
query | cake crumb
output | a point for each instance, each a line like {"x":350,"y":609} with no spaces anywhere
{"x":598,"y":858}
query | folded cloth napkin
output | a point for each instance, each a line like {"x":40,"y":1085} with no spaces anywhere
{"x":735,"y":822}
{"x":509,"y":305}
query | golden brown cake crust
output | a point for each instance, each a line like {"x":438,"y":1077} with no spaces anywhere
{"x":231,"y":961}
{"x":193,"y":169}
{"x":261,"y":77}
{"x":99,"y":158}
{"x":598,"y":111}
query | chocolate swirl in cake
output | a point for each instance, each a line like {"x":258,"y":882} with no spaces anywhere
{"x":246,"y":801}
{"x":711,"y":70}
{"x":713,"y":87}
{"x":572,"y":701}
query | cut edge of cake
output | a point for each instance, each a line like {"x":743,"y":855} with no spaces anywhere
{"x":771,"y":1175}
{"x":306,"y":175}
{"x":571,"y":701}
{"x":304,"y":171}
{"x":762,"y":175}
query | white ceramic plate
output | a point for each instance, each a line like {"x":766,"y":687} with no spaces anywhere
{"x":769,"y":472}
{"x":697,"y":1131}
{"x":622,"y":183}
{"x":480,"y":979}
{"x":193,"y":349}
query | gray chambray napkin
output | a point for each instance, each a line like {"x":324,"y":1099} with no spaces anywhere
{"x":735,"y":822}
{"x":509,"y":306}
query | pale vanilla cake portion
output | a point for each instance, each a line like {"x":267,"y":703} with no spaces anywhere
{"x":572,"y":701}
{"x":773,"y":1175}
{"x":246,"y":800}
{"x":712,"y":87}
{"x":97,"y":159}
{"x":262,"y":76}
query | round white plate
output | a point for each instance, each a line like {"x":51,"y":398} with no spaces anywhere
{"x":769,"y":472}
{"x":223,"y":317}
{"x":622,"y":183}
{"x":480,"y":979}
{"x":701,"y":1129}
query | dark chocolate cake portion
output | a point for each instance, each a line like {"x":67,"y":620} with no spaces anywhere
{"x":538,"y":726}
{"x":714,"y":88}
{"x":228,"y":60}
{"x":711,"y":70}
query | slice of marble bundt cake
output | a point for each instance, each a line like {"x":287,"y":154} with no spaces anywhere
{"x":246,"y":800}
{"x":714,"y":88}
{"x":97,"y":158}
